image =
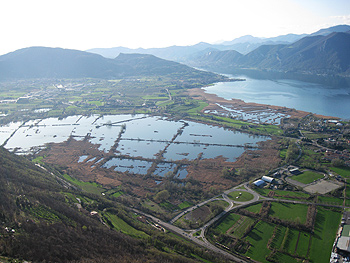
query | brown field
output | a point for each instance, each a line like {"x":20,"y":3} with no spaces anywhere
{"x":200,"y":213}
{"x":207,"y":171}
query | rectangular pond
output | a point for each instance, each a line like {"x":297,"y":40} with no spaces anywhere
{"x":128,"y":165}
{"x":135,"y":136}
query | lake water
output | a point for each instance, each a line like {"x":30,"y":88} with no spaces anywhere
{"x":310,"y":97}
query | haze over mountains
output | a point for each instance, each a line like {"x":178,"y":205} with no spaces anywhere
{"x":325,"y":52}
{"x":311,"y":55}
{"x":44,"y":62}
{"x":243,"y":45}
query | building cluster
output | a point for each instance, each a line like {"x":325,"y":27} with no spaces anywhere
{"x":265,"y":180}
{"x":343,"y":240}
{"x":330,"y":155}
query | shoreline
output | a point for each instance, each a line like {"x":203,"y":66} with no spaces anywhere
{"x":212,"y":99}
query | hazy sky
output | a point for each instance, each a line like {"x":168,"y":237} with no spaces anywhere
{"x":84,"y":24}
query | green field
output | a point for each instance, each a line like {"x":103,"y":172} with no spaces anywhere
{"x":228,"y":221}
{"x":86,"y":186}
{"x":240,"y":196}
{"x":185,"y":204}
{"x":239,"y":228}
{"x":342,"y":171}
{"x":122,"y":226}
{"x":277,"y":240}
{"x":327,"y":223}
{"x":168,"y":206}
{"x":38,"y":160}
{"x":307,"y":177}
{"x":282,"y":194}
{"x":290,"y":212}
{"x":117,"y":194}
{"x":303,"y":244}
{"x":258,"y":238}
{"x":280,"y":257}
{"x":291,"y":241}
{"x":237,"y":224}
{"x":285,"y":244}
{"x":200,"y":258}
{"x":330,"y":200}
{"x":283,"y":153}
{"x":254,"y":208}
{"x":313,"y":135}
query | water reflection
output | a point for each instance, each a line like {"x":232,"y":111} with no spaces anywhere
{"x":130,"y":136}
{"x":145,"y":149}
{"x":311,"y":97}
{"x":164,"y":169}
{"x":128,"y":165}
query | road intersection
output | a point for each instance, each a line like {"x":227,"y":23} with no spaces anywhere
{"x":233,"y":205}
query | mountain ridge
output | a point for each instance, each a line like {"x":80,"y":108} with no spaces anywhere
{"x":317,"y":54}
{"x":45,"y":62}
{"x":244,"y":45}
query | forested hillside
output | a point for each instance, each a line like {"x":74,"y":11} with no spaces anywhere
{"x":44,"y":219}
{"x":44,"y":62}
{"x":325,"y":55}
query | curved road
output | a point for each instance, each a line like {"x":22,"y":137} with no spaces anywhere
{"x":201,"y":240}
{"x":196,"y":240}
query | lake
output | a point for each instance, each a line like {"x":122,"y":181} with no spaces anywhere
{"x":305,"y":96}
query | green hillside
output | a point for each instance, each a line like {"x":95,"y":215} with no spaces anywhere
{"x":45,"y":219}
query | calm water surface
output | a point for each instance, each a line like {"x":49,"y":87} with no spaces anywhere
{"x":310,"y":97}
{"x":140,"y":136}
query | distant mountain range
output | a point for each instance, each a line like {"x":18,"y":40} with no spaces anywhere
{"x":44,"y":62}
{"x":325,"y":52}
{"x":243,"y":45}
{"x":317,"y":54}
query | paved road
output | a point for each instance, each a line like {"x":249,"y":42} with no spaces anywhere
{"x":201,"y":240}
{"x":196,"y":240}
{"x":221,"y":197}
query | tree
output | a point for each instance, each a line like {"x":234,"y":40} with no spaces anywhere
{"x":162,"y":196}
{"x":337,"y":162}
{"x":292,"y":152}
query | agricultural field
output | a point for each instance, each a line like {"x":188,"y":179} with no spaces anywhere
{"x":258,"y":238}
{"x":280,"y":243}
{"x":342,"y":171}
{"x":199,"y":216}
{"x":327,"y":223}
{"x":283,"y":194}
{"x":330,"y":200}
{"x":86,"y":186}
{"x":314,"y":135}
{"x":228,"y":222}
{"x":254,"y":208}
{"x":120,"y":225}
{"x":307,"y":177}
{"x":149,"y":144}
{"x":289,"y":212}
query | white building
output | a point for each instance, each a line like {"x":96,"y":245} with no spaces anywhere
{"x":268,"y":179}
